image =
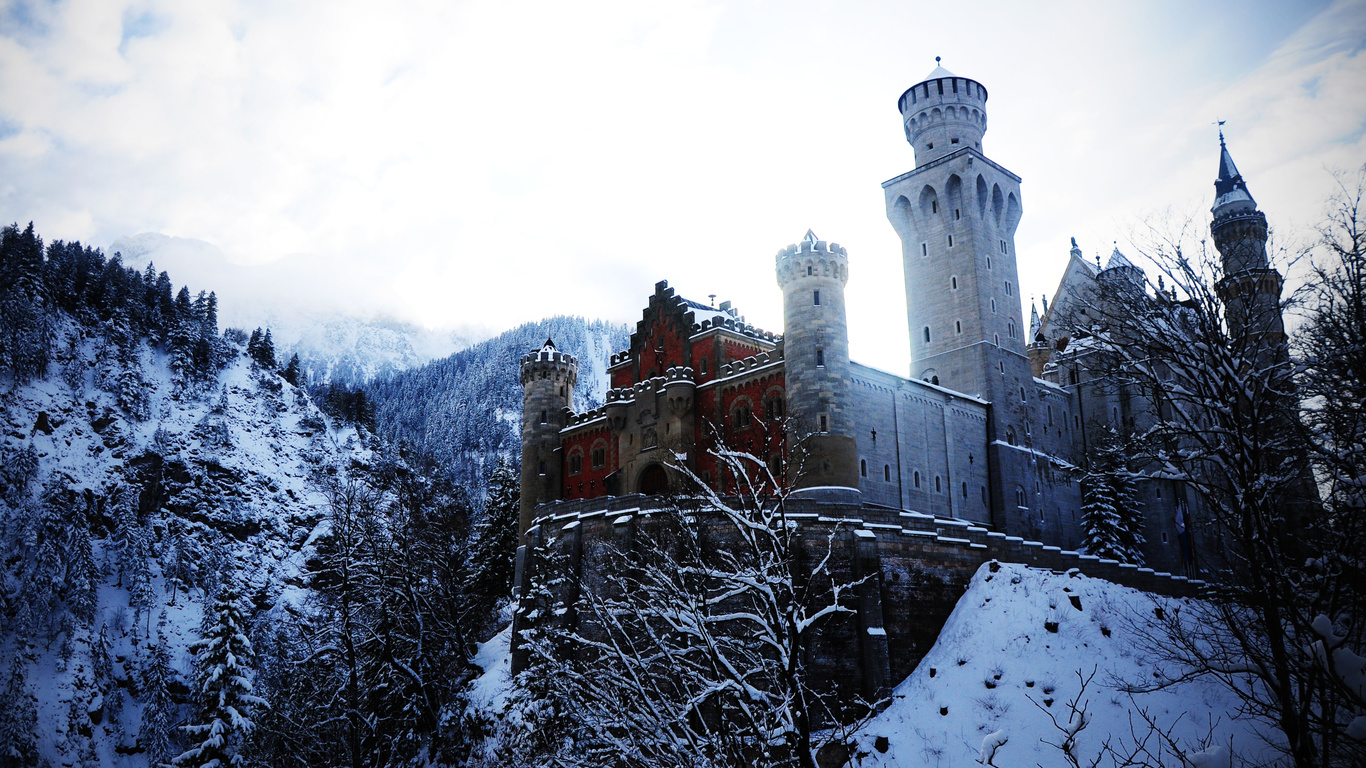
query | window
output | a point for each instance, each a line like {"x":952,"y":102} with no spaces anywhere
{"x":917,"y":479}
{"x":1076,"y":422}
{"x":953,"y":283}
{"x":934,"y":204}
{"x":965,"y":490}
{"x":984,"y":495}
{"x":1001,"y":363}
{"x":824,"y":423}
{"x":927,"y":334}
{"x":934,"y":380}
{"x":599,"y":457}
{"x":956,"y":214}
{"x":561,"y":390}
{"x":742,"y":416}
{"x":818,"y":298}
{"x":1010,"y":328}
{"x":950,"y":241}
{"x":953,"y":141}
{"x":924,"y":249}
{"x":1050,"y":415}
{"x":575,"y":463}
{"x":820,"y":358}
{"x":1019,"y":497}
{"x":958,"y":326}
{"x":863,"y":467}
{"x":1008,"y":288}
{"x":1010,"y":435}
{"x":704,"y":366}
{"x":773,"y":407}
{"x":1003,"y":247}
{"x":545,"y":417}
{"x":930,"y":145}
{"x":996,"y":337}
{"x":993,"y":306}
{"x":1164,"y":537}
{"x":1159,"y":492}
{"x":808,"y":270}
{"x":887,"y":472}
{"x":1022,"y":395}
{"x":542,"y":468}
{"x":988,"y":262}
{"x":937,"y":487}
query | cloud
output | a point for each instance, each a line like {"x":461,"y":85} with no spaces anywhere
{"x":492,"y":162}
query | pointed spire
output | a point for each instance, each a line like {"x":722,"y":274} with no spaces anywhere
{"x":1229,"y":188}
{"x":548,"y":346}
{"x":810,"y":237}
{"x":1034,"y":321}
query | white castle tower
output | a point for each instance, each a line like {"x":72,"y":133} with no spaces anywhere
{"x":956,"y":214}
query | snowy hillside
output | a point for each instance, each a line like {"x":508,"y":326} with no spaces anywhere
{"x":1004,"y":672}
{"x":205,"y":485}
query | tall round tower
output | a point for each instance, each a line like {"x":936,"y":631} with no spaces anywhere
{"x":548,"y":377}
{"x":1251,"y":289}
{"x":822,"y":451}
{"x":943,"y":113}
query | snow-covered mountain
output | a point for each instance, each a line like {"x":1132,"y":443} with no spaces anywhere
{"x":339,"y":336}
{"x":167,"y":502}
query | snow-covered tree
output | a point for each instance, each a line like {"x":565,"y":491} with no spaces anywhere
{"x":1111,"y":520}
{"x":223,"y":676}
{"x":18,"y":720}
{"x":493,"y":552}
{"x":158,"y":708}
{"x":688,"y":651}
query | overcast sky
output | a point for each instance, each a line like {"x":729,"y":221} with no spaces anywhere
{"x":490,"y":163}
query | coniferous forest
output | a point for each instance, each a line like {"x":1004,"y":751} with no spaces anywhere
{"x":204,"y":562}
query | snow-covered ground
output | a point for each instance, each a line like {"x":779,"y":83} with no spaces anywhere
{"x":1000,"y":675}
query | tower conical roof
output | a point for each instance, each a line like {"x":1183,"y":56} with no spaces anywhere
{"x":1229,"y":188}
{"x":937,"y":73}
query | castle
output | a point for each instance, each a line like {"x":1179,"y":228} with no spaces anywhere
{"x":988,"y":431}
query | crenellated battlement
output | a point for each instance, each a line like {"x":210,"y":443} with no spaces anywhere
{"x":814,"y":260}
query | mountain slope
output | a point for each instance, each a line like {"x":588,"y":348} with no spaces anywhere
{"x":468,"y":407}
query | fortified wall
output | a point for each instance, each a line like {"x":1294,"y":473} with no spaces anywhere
{"x":919,"y":566}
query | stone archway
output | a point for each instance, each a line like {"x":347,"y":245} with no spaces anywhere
{"x":653,"y":481}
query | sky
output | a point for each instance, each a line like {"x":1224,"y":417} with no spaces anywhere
{"x":483,"y":164}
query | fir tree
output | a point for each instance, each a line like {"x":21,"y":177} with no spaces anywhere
{"x":223,"y":657}
{"x":291,"y":372}
{"x":18,"y":720}
{"x":158,"y":711}
{"x":493,"y":554}
{"x":1109,"y":507}
{"x":82,"y":578}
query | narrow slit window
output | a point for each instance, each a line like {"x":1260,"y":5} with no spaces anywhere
{"x":863,"y":467}
{"x":924,"y":249}
{"x":887,"y":473}
{"x":820,"y":358}
{"x":927,"y":334}
{"x":958,"y":326}
{"x":950,"y":241}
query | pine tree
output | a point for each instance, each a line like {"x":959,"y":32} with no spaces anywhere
{"x":493,"y":553}
{"x":223,"y":658}
{"x":82,"y":577}
{"x":1109,"y":507}
{"x":18,"y":720}
{"x":291,"y":373}
{"x":158,"y":711}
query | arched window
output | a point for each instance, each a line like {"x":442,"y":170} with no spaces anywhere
{"x":773,"y":407}
{"x":742,"y":416}
{"x":938,"y":488}
{"x":1010,"y":435}
{"x":599,"y":456}
{"x":965,"y":490}
{"x":917,"y":479}
{"x":934,"y":380}
{"x":863,"y":467}
{"x":575,"y":462}
{"x":1019,"y":496}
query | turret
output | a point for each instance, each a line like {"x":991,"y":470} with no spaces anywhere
{"x":942,"y":114}
{"x":1251,"y":290}
{"x":548,"y":377}
{"x":822,"y":450}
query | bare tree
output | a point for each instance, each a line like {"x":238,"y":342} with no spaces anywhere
{"x":690,"y":643}
{"x":1209,"y":357}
